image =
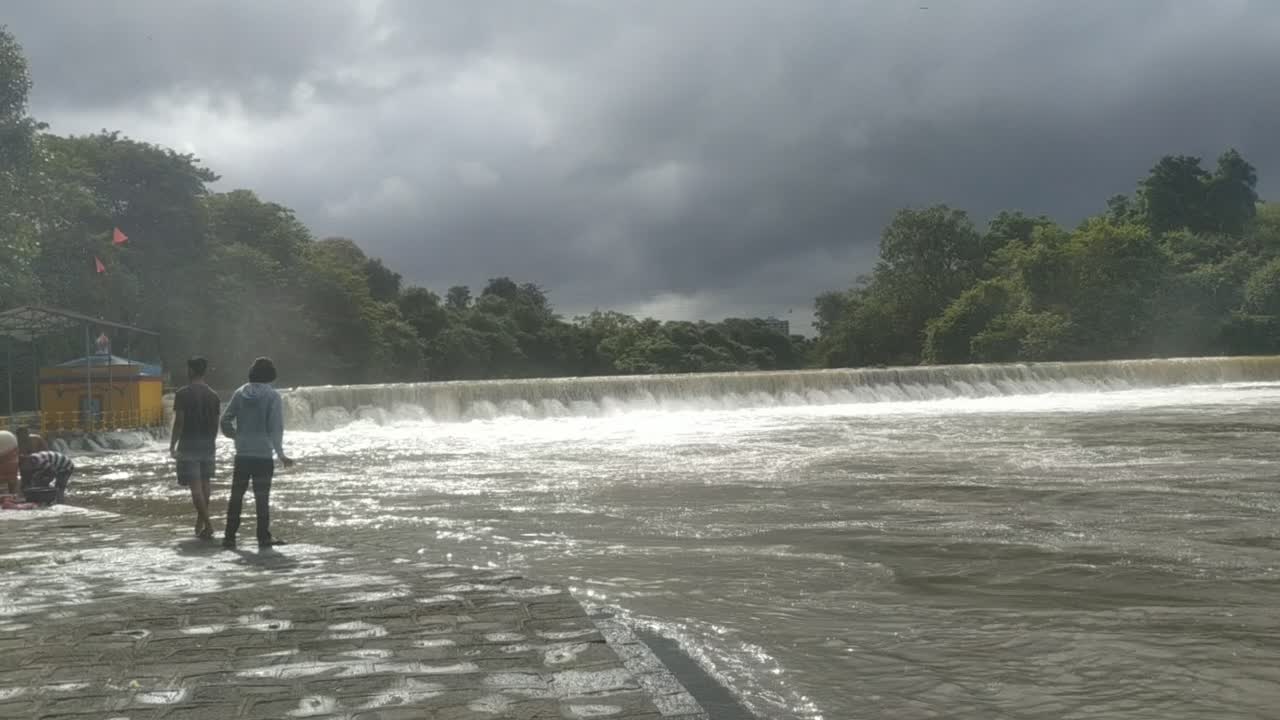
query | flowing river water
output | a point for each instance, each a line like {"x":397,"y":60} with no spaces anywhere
{"x":1052,"y":541}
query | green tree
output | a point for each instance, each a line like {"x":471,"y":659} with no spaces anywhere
{"x":18,"y":154}
{"x":1117,"y":275}
{"x":384,"y":283}
{"x":255,"y":300}
{"x":1009,"y":228}
{"x":81,"y":188}
{"x":1231,"y":194}
{"x":503,"y":287}
{"x":950,"y":336}
{"x":1042,"y":268}
{"x":1121,"y":210}
{"x":458,"y":298}
{"x":422,"y":309}
{"x":829,"y":308}
{"x":1174,"y":195}
{"x":927,"y":258}
{"x":1045,"y":335}
{"x":1262,"y":291}
{"x":593,"y":330}
{"x":240,"y":217}
{"x":1180,"y":270}
{"x":17,"y":128}
{"x":869,"y":333}
{"x":1262,"y":237}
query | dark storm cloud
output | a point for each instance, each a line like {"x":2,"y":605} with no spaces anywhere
{"x":688,"y":158}
{"x":104,"y":53}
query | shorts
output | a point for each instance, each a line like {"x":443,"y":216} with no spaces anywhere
{"x":197,"y":468}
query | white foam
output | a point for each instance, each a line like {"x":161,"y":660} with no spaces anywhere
{"x":331,"y":407}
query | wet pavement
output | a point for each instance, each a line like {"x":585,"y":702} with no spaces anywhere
{"x":102,"y":617}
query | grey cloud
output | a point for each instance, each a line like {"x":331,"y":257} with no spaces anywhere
{"x":105,"y":53}
{"x":737,"y":153}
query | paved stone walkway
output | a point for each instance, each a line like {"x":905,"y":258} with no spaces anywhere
{"x":103,"y":618}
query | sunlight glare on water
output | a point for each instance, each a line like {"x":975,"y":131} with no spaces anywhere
{"x":1065,"y":554}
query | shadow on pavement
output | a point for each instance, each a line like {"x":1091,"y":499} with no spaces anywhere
{"x":267,"y":559}
{"x":197,"y":548}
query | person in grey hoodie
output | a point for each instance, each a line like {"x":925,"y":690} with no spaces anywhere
{"x":254,"y":418}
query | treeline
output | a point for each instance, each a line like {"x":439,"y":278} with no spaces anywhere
{"x":1187,"y":265}
{"x":230,"y":275}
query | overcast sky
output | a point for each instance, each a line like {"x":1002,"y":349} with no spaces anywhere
{"x":683,"y":158}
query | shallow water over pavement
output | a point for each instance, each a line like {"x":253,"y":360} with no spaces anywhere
{"x":1060,"y":555}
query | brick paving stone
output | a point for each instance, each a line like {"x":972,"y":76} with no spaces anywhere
{"x":109,"y":618}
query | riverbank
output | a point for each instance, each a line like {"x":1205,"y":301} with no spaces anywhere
{"x":108,"y":617}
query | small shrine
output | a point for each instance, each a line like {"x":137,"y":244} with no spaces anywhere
{"x":101,"y":391}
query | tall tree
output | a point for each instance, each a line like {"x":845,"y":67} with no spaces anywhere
{"x":241,"y":217}
{"x":384,"y":283}
{"x":1232,"y":195}
{"x":927,"y":258}
{"x":458,"y":298}
{"x":1174,"y":195}
{"x":503,"y":287}
{"x":423,"y":310}
{"x":17,"y":129}
{"x":256,"y":277}
{"x":17,"y":156}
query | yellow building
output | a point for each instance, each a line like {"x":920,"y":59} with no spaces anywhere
{"x":101,"y":392}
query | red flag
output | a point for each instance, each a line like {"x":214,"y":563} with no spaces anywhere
{"x":98,"y":264}
{"x":118,"y":238}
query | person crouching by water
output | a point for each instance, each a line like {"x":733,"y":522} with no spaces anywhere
{"x":46,"y":476}
{"x":192,"y":442}
{"x":254,"y":418}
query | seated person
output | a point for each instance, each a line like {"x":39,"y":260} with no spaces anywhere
{"x":9,"y":452}
{"x":44,"y":470}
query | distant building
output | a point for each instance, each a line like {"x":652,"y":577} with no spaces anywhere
{"x":782,"y":327}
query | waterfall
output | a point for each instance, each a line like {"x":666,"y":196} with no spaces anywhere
{"x":327,"y":407}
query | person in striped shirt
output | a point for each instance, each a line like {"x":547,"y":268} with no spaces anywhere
{"x":48,"y":469}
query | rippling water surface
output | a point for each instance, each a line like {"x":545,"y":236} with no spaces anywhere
{"x":1075,"y":555}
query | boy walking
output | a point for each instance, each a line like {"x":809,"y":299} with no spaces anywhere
{"x":196,"y":408}
{"x":254,"y":418}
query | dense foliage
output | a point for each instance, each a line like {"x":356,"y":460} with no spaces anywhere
{"x":230,"y":275}
{"x":1190,"y":265}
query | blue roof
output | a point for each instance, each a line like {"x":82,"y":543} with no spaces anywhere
{"x":148,"y":370}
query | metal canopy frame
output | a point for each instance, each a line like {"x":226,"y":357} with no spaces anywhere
{"x":29,"y":323}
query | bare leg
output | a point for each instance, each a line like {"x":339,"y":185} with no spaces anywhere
{"x":206,"y":488}
{"x":200,"y":499}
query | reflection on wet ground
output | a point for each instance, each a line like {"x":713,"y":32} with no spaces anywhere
{"x":105,"y":617}
{"x":1089,"y":554}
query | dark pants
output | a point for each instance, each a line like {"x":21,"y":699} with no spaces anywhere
{"x":58,"y":485}
{"x":61,"y":482}
{"x":259,"y":471}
